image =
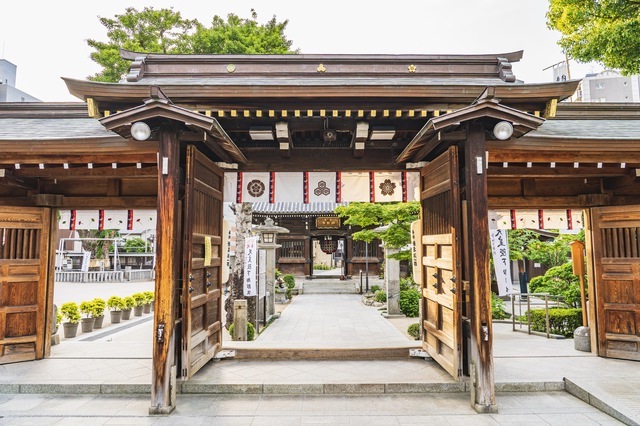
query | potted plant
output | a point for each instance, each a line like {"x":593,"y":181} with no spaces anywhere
{"x":115,"y":305}
{"x":129,"y":303}
{"x":148,"y":301}
{"x":71,"y":313}
{"x":99,"y":305}
{"x":87,"y":322}
{"x":138,"y":307}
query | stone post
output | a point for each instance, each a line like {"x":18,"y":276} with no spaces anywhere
{"x":240,"y":319}
{"x":392,"y":281}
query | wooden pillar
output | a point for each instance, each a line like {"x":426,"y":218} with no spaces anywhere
{"x":163,"y":377}
{"x":483,"y":398}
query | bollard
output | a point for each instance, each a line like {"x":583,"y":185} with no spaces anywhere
{"x":581,"y":339}
{"x":240,"y":320}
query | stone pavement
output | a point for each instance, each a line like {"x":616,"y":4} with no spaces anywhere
{"x":529,"y":374}
{"x":537,"y":408}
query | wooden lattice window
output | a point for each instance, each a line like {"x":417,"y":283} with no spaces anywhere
{"x":360,"y":248}
{"x":621,"y":242}
{"x":292,"y":248}
{"x":16,"y":243}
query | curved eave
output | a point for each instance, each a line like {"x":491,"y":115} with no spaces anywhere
{"x":314,"y":58}
{"x":136,"y":93}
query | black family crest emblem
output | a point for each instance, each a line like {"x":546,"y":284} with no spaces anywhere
{"x":387,"y":187}
{"x":255,"y":188}
{"x":322,"y":189}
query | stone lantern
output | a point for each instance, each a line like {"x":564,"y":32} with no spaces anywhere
{"x":268,"y":236}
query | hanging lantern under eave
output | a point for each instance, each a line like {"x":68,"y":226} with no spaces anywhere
{"x":328,"y":246}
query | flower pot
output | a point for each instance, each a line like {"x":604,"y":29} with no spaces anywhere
{"x":146,"y":308}
{"x":137,"y":310}
{"x":98,"y":322}
{"x":87,"y":324}
{"x":116,"y":316}
{"x":70,"y":329}
{"x":126,"y":314}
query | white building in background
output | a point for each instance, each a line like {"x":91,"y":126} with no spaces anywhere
{"x":8,"y":91}
{"x":609,"y":86}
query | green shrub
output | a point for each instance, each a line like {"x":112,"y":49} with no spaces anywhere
{"x":407,"y":284}
{"x":278,"y":273}
{"x":289,"y":280}
{"x":497,"y":308}
{"x":288,"y":294}
{"x":70,"y":311}
{"x":562,"y":321}
{"x":251,"y":331}
{"x":381,"y":296}
{"x":87,"y":308}
{"x":134,"y":245}
{"x":558,"y":281}
{"x":128,"y":302}
{"x":99,"y":305}
{"x":115,"y":303}
{"x":321,"y":267}
{"x":410,"y":302}
{"x":149,"y":296}
{"x":375,"y":288}
{"x":414,"y":330}
{"x":138,"y":299}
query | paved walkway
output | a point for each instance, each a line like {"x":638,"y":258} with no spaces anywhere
{"x":529,"y":373}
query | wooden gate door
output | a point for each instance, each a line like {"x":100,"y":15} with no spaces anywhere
{"x":202,"y":265}
{"x":441,"y":282}
{"x":616,"y":252}
{"x":24,"y":263}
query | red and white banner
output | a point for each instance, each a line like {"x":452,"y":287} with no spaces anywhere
{"x":321,"y":187}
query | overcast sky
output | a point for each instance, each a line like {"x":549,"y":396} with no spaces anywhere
{"x":46,"y":39}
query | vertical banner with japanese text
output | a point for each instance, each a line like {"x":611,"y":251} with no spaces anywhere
{"x":416,"y":250}
{"x":250,"y":266}
{"x":501,"y":263}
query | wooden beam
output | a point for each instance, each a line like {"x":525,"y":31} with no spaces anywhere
{"x":163,"y":377}
{"x":81,"y":171}
{"x":518,"y":172}
{"x":9,"y":178}
{"x":483,"y":398}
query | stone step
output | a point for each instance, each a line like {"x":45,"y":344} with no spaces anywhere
{"x":324,"y":354}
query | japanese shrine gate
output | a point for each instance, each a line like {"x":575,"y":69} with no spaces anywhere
{"x":302,"y":113}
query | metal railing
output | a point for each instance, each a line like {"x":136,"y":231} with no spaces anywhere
{"x":546,"y":298}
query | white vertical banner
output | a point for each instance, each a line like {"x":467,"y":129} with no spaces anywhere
{"x":250,"y":265}
{"x":416,"y":250}
{"x":501,"y":263}
{"x":262,"y":274}
{"x":226,"y":244}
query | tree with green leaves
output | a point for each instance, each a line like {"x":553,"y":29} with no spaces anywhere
{"x":166,"y":31}
{"x":395,"y":217}
{"x":606,"y":31}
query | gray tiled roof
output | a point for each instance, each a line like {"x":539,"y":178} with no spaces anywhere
{"x":51,"y":128}
{"x":296,"y":208}
{"x":589,"y":129}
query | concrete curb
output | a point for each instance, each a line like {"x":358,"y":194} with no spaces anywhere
{"x":586,"y":396}
{"x":192,"y":387}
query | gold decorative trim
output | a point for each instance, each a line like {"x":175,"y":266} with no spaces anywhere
{"x":231,"y":68}
{"x":412,"y":68}
{"x":321,"y":68}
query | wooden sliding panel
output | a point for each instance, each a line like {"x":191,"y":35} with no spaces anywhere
{"x":616,"y":252}
{"x":24,"y":261}
{"x":202,"y":264}
{"x":441,"y":286}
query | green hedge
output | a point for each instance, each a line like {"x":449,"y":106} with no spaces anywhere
{"x":381,"y":296}
{"x":414,"y":330}
{"x":251,"y":331}
{"x":561,"y":321}
{"x":410,"y":302}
